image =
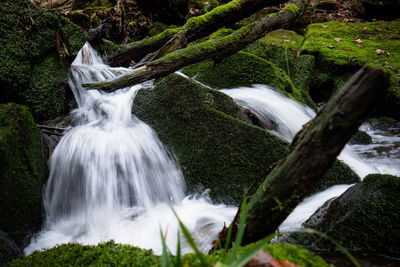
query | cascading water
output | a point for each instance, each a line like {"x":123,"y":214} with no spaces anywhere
{"x":111,"y":178}
{"x":285,"y":117}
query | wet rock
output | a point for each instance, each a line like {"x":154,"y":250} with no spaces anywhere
{"x":8,"y":249}
{"x":365,"y":218}
{"x":361,"y":138}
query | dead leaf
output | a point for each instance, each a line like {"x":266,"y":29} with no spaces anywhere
{"x":324,"y":26}
{"x":380,"y":52}
{"x":330,"y":46}
{"x":358,"y":41}
{"x":337,"y":39}
{"x":286,"y":41}
{"x":365,"y":28}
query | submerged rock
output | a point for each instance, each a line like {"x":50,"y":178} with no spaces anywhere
{"x":36,"y":49}
{"x":365,"y":218}
{"x":216,"y":149}
{"x":21,"y":172}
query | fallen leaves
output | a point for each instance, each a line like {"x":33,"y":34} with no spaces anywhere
{"x":358,"y":41}
{"x":330,"y":46}
{"x":382,"y":52}
{"x":337,"y":39}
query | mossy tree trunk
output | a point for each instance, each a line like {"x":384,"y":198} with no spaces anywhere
{"x":194,"y":29}
{"x":216,"y":49}
{"x":313,"y":151}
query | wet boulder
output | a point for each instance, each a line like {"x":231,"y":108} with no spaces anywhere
{"x":215,"y":145}
{"x":37,"y":47}
{"x":22,"y":172}
{"x":365,"y":218}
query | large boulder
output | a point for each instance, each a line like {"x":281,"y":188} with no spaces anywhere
{"x":21,"y":172}
{"x":37,"y":47}
{"x":365,"y":218}
{"x":215,"y":146}
{"x":342,"y":48}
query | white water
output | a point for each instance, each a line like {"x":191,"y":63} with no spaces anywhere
{"x":111,"y":178}
{"x":285,"y":117}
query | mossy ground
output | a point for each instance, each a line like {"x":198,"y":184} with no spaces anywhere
{"x":215,"y":148}
{"x":111,"y":254}
{"x":21,"y":172}
{"x":37,"y":46}
{"x":357,"y":45}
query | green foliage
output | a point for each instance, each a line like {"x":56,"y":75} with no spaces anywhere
{"x":28,"y":36}
{"x":21,"y":171}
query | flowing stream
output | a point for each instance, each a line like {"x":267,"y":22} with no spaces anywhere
{"x":285,"y":117}
{"x":111,"y":178}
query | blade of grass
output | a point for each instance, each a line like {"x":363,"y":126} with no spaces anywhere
{"x":190,"y":240}
{"x":165,"y":258}
{"x":239,"y":235}
{"x":178,"y":251}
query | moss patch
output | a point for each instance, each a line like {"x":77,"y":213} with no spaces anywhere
{"x":37,"y":46}
{"x":111,"y":254}
{"x":21,"y":171}
{"x":215,"y":149}
{"x":243,"y":69}
{"x":376,"y":44}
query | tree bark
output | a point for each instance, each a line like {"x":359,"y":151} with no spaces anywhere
{"x":194,"y":29}
{"x":213,"y":49}
{"x":312,"y":152}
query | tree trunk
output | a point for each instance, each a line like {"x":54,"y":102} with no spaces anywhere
{"x":213,"y":49}
{"x":194,"y":29}
{"x":313,"y":151}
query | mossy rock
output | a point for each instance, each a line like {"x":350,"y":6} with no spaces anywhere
{"x":111,"y":254}
{"x":281,"y":47}
{"x":375,"y":44}
{"x":365,"y":218}
{"x":243,"y":69}
{"x":21,"y":172}
{"x":8,"y":249}
{"x":37,"y":46}
{"x":361,"y":138}
{"x":215,"y":148}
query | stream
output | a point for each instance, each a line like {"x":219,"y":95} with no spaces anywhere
{"x":111,"y":177}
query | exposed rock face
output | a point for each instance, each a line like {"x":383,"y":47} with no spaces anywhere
{"x":8,"y":249}
{"x":215,"y":147}
{"x":22,"y":172}
{"x":365,"y":218}
{"x":37,"y":48}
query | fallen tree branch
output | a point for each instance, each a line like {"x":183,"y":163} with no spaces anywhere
{"x":213,"y":49}
{"x":312,"y":152}
{"x":193,"y":29}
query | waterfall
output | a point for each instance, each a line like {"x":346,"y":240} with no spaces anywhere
{"x":111,"y":178}
{"x":284,"y":117}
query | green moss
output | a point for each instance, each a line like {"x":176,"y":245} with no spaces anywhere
{"x":28,"y":35}
{"x":215,"y":149}
{"x":292,"y":8}
{"x":346,"y":55}
{"x":361,"y":138}
{"x":21,"y":171}
{"x":111,"y":254}
{"x":221,"y":33}
{"x":243,"y":69}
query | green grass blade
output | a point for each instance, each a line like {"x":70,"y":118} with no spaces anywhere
{"x":248,"y":254}
{"x":178,"y":251}
{"x":165,"y":257}
{"x":239,"y":235}
{"x":190,"y":240}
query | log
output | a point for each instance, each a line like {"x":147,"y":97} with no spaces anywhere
{"x":212,"y":49}
{"x":194,"y":29}
{"x":312,"y":152}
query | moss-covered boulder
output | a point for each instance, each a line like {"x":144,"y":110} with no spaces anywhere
{"x":8,"y":249}
{"x":111,"y":254}
{"x":281,"y":48}
{"x":361,"y":138}
{"x":243,"y":69}
{"x":342,"y":48}
{"x":36,"y":48}
{"x":215,"y":148}
{"x":21,"y":172}
{"x":365,"y":218}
